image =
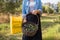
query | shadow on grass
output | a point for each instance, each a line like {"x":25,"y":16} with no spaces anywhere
{"x":58,"y":21}
{"x":45,"y":17}
{"x":45,"y":25}
{"x":49,"y":38}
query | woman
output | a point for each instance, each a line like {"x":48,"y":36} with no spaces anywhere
{"x":34,"y":7}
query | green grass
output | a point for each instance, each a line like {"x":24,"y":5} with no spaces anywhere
{"x":50,"y":28}
{"x":51,"y":32}
{"x":4,"y":28}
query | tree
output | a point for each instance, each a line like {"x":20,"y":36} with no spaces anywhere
{"x":58,"y":7}
{"x":51,"y":10}
{"x":12,"y":6}
{"x":47,"y":9}
{"x":9,"y":6}
{"x":43,"y":8}
{"x":2,"y":6}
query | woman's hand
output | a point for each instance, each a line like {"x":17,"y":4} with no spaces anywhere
{"x":35,"y":12}
{"x":24,"y":20}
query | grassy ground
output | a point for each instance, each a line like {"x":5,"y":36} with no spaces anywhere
{"x":50,"y":28}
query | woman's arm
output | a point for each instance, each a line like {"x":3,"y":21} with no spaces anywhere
{"x":23,"y":8}
{"x":23,"y":11}
{"x":40,"y":5}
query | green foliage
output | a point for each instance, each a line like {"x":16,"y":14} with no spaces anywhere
{"x":9,"y":7}
{"x":43,"y":7}
{"x":12,"y":38}
{"x":58,"y":7}
{"x":47,"y":9}
{"x":51,"y":10}
{"x":2,"y":36}
{"x":1,"y":6}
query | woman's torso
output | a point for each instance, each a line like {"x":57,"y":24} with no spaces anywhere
{"x":30,"y":6}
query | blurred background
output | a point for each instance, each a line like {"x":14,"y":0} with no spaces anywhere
{"x":50,"y":20}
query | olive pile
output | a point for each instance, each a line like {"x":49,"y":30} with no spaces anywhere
{"x":30,"y":27}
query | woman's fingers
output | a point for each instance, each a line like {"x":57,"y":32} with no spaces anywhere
{"x":34,"y":12}
{"x":24,"y":20}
